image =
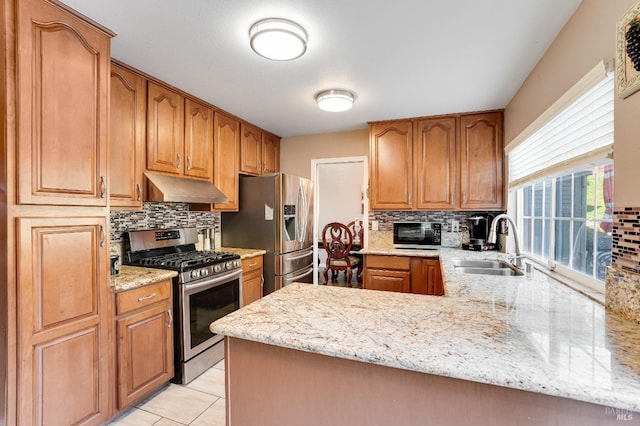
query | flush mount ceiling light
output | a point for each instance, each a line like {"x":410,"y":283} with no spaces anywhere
{"x":335,"y":100}
{"x":278,"y":39}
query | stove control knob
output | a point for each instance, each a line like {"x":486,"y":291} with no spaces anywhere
{"x":204,"y":272}
{"x":229,"y":265}
{"x":194,"y":274}
{"x":217,"y":268}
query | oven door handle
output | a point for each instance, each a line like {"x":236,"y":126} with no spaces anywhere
{"x":220,"y":279}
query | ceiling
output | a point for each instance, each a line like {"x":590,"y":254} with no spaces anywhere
{"x":402,"y":58}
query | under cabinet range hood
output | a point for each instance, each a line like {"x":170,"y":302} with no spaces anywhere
{"x":174,"y":189}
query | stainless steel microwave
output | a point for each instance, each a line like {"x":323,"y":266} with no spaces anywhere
{"x":417,"y":235}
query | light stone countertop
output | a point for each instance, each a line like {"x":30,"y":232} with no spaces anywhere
{"x":243,"y":252}
{"x":530,"y":333}
{"x":131,"y":277}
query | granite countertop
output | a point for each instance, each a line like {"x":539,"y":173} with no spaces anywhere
{"x":244,"y":253}
{"x":530,"y":333}
{"x":131,"y":277}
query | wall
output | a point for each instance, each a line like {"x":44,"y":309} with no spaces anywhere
{"x":297,"y":152}
{"x":588,"y":37}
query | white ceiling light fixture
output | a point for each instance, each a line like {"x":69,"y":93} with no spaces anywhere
{"x":278,"y":39}
{"x":335,"y":100}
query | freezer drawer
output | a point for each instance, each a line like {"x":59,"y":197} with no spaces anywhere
{"x":301,"y":276}
{"x":294,"y":261}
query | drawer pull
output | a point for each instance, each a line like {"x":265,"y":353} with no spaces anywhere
{"x":143,"y":298}
{"x":251,"y":265}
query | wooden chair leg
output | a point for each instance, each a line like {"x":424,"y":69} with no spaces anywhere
{"x":359,"y":275}
{"x":325,"y":275}
{"x":349,"y":272}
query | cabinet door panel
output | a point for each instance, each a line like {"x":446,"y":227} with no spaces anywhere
{"x":481,"y":177}
{"x":62,"y":124}
{"x":226,"y":158}
{"x":251,"y":287}
{"x":250,"y":149}
{"x":426,"y":276}
{"x":145,"y":352}
{"x":198,"y":140}
{"x":165,"y":130}
{"x":435,"y":156}
{"x":270,"y":153}
{"x":391,"y":168}
{"x":55,"y":382}
{"x":64,"y":305}
{"x":127,"y":124}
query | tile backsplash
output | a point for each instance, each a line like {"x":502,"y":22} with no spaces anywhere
{"x":158,"y":216}
{"x":386,"y":218}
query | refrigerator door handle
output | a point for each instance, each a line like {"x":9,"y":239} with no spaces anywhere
{"x":307,"y":254}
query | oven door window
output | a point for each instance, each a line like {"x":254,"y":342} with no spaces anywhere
{"x":208,"y":305}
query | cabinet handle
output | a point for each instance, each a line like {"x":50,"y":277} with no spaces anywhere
{"x":251,"y":265}
{"x":143,"y":298}
{"x":139,"y":191}
{"x":453,"y":196}
{"x":189,"y":163}
{"x":103,"y":236}
{"x":103,"y":187}
{"x":179,"y":161}
{"x":261,"y":281}
{"x":464,"y":197}
{"x":170,"y":318}
{"x":411,"y":198}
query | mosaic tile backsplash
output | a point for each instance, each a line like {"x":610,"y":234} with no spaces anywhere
{"x":158,"y":216}
{"x":386,"y":218}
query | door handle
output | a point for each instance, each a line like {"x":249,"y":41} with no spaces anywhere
{"x":103,"y":236}
{"x":189,"y":162}
{"x":179,"y":161}
{"x":103,"y":187}
{"x":139,"y":191}
{"x":170,"y":318}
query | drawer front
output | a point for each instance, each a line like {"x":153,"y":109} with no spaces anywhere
{"x":387,"y":262}
{"x":143,"y":296}
{"x":252,"y":264}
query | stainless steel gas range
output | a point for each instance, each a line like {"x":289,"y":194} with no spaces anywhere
{"x":207,"y":287}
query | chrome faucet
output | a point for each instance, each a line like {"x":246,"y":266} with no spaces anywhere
{"x":517,"y":261}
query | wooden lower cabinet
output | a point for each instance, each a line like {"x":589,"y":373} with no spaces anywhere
{"x":403,"y":274}
{"x":64,"y":309}
{"x":252,"y":279}
{"x":144,"y":341}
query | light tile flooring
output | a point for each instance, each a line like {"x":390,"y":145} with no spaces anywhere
{"x":200,"y":403}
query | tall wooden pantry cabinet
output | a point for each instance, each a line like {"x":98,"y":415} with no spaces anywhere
{"x":56,"y":328}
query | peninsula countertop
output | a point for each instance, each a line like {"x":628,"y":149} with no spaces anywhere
{"x":530,"y":333}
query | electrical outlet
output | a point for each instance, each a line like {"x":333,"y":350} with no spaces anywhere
{"x":455,"y":226}
{"x":374,"y":225}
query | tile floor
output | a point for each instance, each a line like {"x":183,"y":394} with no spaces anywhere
{"x":200,"y":403}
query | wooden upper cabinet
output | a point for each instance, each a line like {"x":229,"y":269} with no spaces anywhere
{"x":62,"y":114}
{"x":270,"y":153}
{"x":481,"y":155}
{"x":198,"y":140}
{"x":64,"y":305}
{"x":391,"y":170}
{"x":165,"y":130}
{"x":127,"y":124}
{"x":226,"y":146}
{"x":250,"y":149}
{"x":435,"y":163}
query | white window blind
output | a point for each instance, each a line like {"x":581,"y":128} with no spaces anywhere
{"x":580,"y":134}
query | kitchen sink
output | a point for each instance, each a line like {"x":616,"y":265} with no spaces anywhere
{"x":468,"y":263}
{"x":505,"y":271}
{"x":486,"y":267}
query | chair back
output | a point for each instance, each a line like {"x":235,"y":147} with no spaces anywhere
{"x":357,"y":232}
{"x":337,"y":240}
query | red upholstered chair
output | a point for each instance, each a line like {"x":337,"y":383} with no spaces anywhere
{"x":338,"y":241}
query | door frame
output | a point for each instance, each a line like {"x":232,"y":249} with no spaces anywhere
{"x":316,"y":164}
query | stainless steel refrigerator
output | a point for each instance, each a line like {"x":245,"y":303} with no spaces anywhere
{"x":276,"y":214}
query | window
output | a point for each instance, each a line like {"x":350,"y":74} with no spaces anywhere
{"x":561,"y":175}
{"x":568,"y":219}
